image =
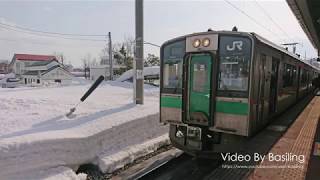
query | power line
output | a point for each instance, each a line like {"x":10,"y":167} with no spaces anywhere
{"x":56,"y":34}
{"x":51,"y":36}
{"x":271,"y":19}
{"x":152,"y":44}
{"x":53,"y":33}
{"x":36,"y":43}
{"x":251,"y":18}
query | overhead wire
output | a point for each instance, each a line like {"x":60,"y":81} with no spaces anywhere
{"x":251,"y":18}
{"x":38,"y":43}
{"x":57,"y":35}
{"x":52,"y":33}
{"x":272,"y":20}
{"x":51,"y":36}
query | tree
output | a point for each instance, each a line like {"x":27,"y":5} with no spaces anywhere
{"x":124,"y":57}
{"x":68,"y":66}
{"x":60,"y":57}
{"x":86,"y":62}
{"x":122,"y":53}
{"x":152,"y":60}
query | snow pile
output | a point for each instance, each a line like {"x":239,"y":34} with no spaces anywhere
{"x":118,"y":160}
{"x":147,"y":71}
{"x":61,"y":173}
{"x":36,"y":136}
{"x":4,"y":77}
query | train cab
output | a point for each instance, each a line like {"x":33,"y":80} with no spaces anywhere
{"x":219,"y":88}
{"x":205,"y":87}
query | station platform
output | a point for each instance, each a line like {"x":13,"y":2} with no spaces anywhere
{"x":299,"y":147}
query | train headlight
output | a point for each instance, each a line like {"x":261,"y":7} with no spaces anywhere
{"x":206,"y":42}
{"x":196,"y":43}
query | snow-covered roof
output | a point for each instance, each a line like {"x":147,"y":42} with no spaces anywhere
{"x":147,"y":71}
{"x":35,"y":73}
{"x":41,"y":63}
{"x":106,"y":66}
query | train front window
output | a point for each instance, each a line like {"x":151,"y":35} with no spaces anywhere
{"x":172,"y":67}
{"x":235,"y":55}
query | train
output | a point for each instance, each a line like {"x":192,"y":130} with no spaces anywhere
{"x":220,"y":88}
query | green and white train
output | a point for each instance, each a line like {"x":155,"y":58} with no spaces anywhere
{"x":219,"y":88}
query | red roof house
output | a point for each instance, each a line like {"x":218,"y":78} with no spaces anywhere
{"x":20,"y":61}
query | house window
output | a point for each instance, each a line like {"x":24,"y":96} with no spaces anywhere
{"x":38,"y":81}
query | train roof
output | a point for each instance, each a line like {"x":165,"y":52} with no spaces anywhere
{"x":283,"y":50}
{"x":249,"y":34}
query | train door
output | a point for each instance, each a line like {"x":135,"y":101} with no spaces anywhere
{"x":273,"y":86}
{"x":261,"y":107}
{"x":199,"y":94}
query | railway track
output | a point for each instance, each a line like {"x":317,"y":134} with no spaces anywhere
{"x":173,"y":164}
{"x":183,"y":167}
{"x":188,"y":167}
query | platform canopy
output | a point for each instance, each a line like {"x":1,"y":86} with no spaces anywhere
{"x":308,"y":14}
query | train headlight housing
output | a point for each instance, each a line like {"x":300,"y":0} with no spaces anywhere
{"x":196,"y":43}
{"x":206,"y":42}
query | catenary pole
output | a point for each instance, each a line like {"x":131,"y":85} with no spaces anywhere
{"x":110,"y":57}
{"x":138,"y":68}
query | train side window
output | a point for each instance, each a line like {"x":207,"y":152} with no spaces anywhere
{"x":304,"y":77}
{"x":288,"y":75}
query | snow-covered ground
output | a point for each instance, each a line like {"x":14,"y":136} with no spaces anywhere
{"x":38,"y":141}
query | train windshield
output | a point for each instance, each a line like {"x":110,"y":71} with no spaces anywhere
{"x":173,"y":66}
{"x":235,"y":55}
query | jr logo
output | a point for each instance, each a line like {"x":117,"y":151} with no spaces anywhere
{"x":235,"y":44}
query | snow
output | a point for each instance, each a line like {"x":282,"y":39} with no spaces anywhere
{"x":4,"y":77}
{"x":61,"y":173}
{"x":118,"y":160}
{"x":35,"y":135}
{"x":147,"y":71}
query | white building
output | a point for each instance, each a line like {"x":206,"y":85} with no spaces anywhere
{"x":39,"y":70}
{"x":20,"y":62}
{"x":41,"y":73}
{"x":102,"y":70}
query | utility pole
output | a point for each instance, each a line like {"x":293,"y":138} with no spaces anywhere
{"x":110,"y":57}
{"x":293,"y":46}
{"x":138,"y":68}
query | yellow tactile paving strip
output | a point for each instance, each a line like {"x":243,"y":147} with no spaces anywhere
{"x":298,"y":140}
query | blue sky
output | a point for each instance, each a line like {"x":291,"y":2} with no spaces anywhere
{"x":163,"y":20}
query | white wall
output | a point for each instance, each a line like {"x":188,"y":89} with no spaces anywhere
{"x":57,"y":74}
{"x":96,"y":72}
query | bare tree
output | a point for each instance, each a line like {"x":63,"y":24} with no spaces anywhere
{"x":86,"y":65}
{"x":93,"y":62}
{"x":128,"y":44}
{"x":152,"y":60}
{"x":104,"y":54}
{"x":60,"y":57}
{"x":123,"y":53}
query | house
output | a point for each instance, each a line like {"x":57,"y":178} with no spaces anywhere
{"x":46,"y":72}
{"x":19,"y":62}
{"x":39,"y":69}
{"x":4,"y":67}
